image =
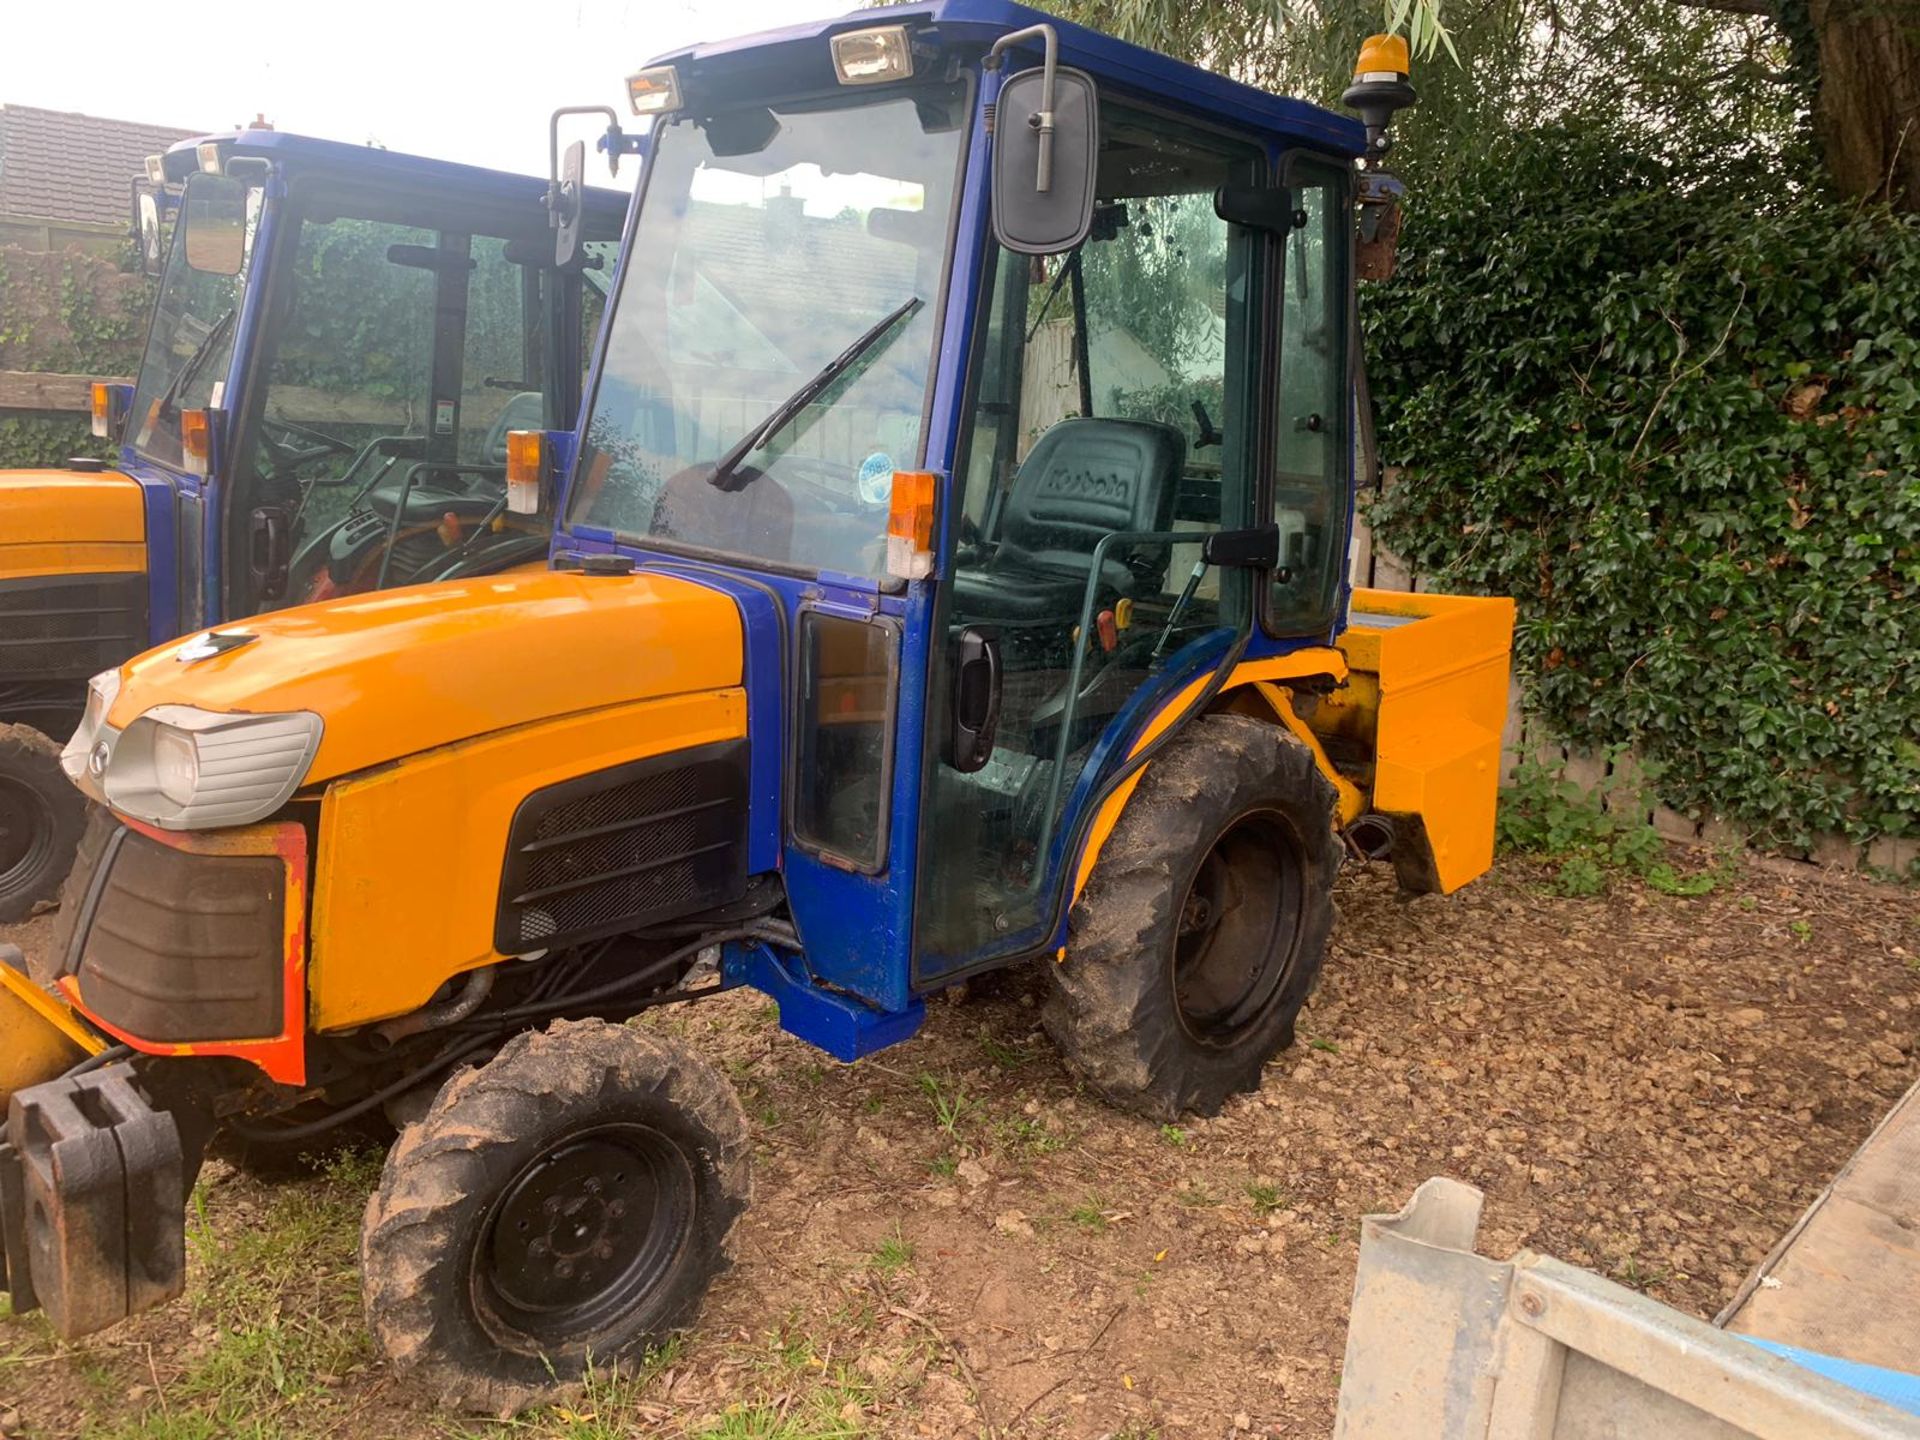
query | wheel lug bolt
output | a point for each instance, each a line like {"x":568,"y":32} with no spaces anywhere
{"x":593,"y":1186}
{"x":538,"y":1247}
{"x":564,"y":1269}
{"x":551,"y":1205}
{"x":616,"y":1208}
{"x":603,"y":1251}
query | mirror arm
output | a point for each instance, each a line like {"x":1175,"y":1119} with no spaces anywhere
{"x":614,"y":148}
{"x":1042,"y":119}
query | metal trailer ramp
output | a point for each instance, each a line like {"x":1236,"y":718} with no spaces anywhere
{"x":1845,"y":1280}
{"x":1444,"y":1344}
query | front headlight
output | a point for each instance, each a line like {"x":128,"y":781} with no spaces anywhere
{"x":183,"y":768}
{"x":101,"y":690}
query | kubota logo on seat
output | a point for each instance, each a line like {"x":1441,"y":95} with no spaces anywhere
{"x":1087,"y":484}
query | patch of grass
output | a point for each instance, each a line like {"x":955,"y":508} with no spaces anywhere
{"x":1802,"y":930}
{"x":1003,"y":1055}
{"x":1590,"y":837}
{"x":1092,"y":1215}
{"x":1264,"y":1198}
{"x":944,"y":1165}
{"x":952,"y":1106}
{"x":1635,"y":1276}
{"x":1025,"y":1135}
{"x":1326,"y":1045}
{"x":1173,"y":1135}
{"x":894,"y":1254}
{"x":604,"y":1409}
{"x":1196,"y":1196}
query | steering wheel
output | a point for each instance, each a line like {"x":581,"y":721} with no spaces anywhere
{"x":290,"y":457}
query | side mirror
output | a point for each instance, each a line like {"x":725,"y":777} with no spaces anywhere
{"x":1046,"y":152}
{"x":569,"y":203}
{"x":214,"y":216}
{"x":146,"y":227}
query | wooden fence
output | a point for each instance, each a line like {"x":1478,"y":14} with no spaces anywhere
{"x":1616,"y":779}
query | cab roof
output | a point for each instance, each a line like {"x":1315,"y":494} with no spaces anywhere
{"x":798,"y":54}
{"x":368,"y":165}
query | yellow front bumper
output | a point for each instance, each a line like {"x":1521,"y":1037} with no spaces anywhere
{"x":40,"y":1037}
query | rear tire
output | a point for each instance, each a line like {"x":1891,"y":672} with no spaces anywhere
{"x":41,"y":816}
{"x":1204,"y":923}
{"x":564,"y":1205}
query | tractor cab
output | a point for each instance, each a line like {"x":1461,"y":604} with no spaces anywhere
{"x":948,"y":571}
{"x":341,"y":341}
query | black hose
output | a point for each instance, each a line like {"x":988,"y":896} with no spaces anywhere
{"x":564,"y":1002}
{"x":280,"y":1134}
{"x":95,"y":1062}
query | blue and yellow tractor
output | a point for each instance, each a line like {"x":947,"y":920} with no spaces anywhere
{"x":342,"y":339}
{"x":948,"y":572}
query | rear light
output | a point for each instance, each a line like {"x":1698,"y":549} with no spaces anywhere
{"x":108,"y":405}
{"x":196,"y":441}
{"x":526,"y":467}
{"x":910,"y":525}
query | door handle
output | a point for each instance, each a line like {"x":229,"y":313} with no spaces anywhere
{"x":269,"y":551}
{"x":976,"y":699}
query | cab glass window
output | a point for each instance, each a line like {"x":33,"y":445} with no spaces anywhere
{"x":1110,"y":431}
{"x":1312,"y":444}
{"x":773,"y":244}
{"x":190,"y":343}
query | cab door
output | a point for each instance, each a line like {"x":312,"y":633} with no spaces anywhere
{"x":1114,"y":423}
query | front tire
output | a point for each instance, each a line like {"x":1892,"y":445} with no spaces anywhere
{"x":1204,"y":924}
{"x":564,"y":1205}
{"x":41,"y":816}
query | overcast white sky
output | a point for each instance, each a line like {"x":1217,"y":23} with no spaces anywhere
{"x":471,"y":81}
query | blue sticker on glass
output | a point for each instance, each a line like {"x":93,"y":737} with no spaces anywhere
{"x":876,"y":478}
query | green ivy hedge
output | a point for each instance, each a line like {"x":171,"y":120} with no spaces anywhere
{"x":34,"y":442}
{"x":1673,"y":407}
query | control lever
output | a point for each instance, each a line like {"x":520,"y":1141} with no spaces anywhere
{"x":976,"y":699}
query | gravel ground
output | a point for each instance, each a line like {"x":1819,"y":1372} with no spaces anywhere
{"x":949,"y":1240}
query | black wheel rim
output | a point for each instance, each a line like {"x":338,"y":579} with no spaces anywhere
{"x":584,"y":1234}
{"x":1238,"y":929}
{"x":26,"y":832}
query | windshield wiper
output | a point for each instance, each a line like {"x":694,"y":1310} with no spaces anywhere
{"x":170,"y":401}
{"x":783,"y":415}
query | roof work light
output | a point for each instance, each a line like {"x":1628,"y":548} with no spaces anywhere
{"x":873,"y":57}
{"x":655,"y":91}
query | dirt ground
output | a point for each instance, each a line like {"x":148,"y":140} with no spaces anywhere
{"x":948,"y":1240}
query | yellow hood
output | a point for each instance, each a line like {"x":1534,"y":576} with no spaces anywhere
{"x":402,"y":671}
{"x":65,"y":522}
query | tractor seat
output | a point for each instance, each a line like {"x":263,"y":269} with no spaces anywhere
{"x":1083,"y":479}
{"x":434,"y":496}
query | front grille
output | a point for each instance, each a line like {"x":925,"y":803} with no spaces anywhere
{"x":625,"y":848}
{"x":56,"y":626}
{"x":171,"y":945}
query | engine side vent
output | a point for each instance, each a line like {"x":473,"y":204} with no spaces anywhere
{"x":624,"y":848}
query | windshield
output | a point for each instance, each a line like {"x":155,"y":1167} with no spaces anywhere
{"x":771,"y":247}
{"x":190,"y":343}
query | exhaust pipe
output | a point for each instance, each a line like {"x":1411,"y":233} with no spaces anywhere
{"x":1371,"y":836}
